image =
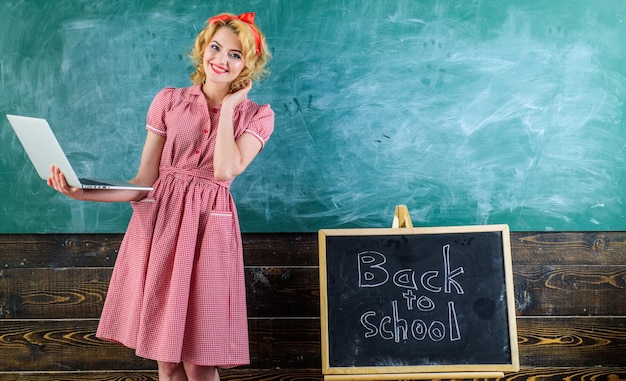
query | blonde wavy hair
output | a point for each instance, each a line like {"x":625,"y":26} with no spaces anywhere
{"x":255,"y":65}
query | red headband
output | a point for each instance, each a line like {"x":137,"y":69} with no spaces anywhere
{"x":248,"y":18}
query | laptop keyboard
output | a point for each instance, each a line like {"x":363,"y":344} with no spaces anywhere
{"x":92,"y":182}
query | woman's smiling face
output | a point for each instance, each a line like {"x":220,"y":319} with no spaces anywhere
{"x":223,"y":59}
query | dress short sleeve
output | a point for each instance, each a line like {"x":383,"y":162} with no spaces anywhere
{"x":262,"y":124}
{"x":155,"y":121}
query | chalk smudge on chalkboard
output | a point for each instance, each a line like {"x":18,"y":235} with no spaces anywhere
{"x":485,"y":308}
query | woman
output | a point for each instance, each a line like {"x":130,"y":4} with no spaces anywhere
{"x":177,"y":293}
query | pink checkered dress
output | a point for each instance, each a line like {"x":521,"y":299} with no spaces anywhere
{"x":177,"y":292}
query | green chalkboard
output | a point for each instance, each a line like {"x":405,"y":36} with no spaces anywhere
{"x":497,"y":111}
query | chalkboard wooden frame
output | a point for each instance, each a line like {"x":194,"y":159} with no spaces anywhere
{"x":332,"y":242}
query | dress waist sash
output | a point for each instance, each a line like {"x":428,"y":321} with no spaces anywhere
{"x":189,"y":173}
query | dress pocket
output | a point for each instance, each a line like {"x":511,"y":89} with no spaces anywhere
{"x":143,"y":218}
{"x":221,"y":228}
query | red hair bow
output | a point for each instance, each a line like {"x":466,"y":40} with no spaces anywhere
{"x":248,"y":18}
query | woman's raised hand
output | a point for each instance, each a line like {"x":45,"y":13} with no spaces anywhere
{"x":233,"y":99}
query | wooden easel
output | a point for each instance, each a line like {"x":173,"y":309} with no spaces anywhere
{"x":402,"y":220}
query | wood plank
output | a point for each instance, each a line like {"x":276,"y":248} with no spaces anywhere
{"x":81,"y":376}
{"x":79,"y":293}
{"x":58,"y":250}
{"x":98,"y":250}
{"x":565,"y":248}
{"x":300,"y":249}
{"x":568,"y":374}
{"x":250,"y":374}
{"x":48,"y":293}
{"x":285,"y":343}
{"x":64,"y":345}
{"x":284,"y":249}
{"x":61,"y":345}
{"x":549,"y":290}
{"x":573,"y":341}
{"x":569,"y":248}
{"x":283,"y":292}
{"x":569,"y":290}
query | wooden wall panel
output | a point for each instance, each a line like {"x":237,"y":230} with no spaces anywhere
{"x":570,"y":292}
{"x":55,"y":345}
{"x":569,"y":248}
{"x":78,"y":292}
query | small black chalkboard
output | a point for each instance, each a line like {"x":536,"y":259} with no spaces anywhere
{"x":415,"y":300}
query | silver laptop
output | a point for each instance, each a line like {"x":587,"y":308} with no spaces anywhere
{"x":43,"y":149}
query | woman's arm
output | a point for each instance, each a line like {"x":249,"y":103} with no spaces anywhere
{"x":232,"y":156}
{"x":146,"y":175}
